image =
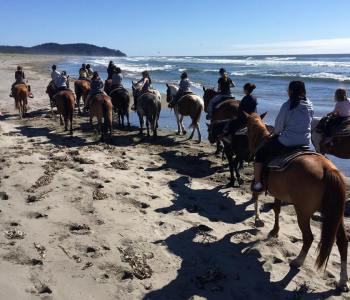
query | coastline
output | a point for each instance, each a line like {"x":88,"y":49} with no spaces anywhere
{"x":155,"y":220}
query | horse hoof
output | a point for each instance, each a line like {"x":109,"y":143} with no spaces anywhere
{"x":259,"y":223}
{"x":273,"y":234}
{"x":295,"y":263}
{"x":184,"y":132}
{"x":240,"y":181}
{"x":343,"y":287}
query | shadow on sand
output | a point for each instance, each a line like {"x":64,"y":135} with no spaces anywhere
{"x":223,"y":269}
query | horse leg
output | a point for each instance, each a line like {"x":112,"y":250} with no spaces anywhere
{"x":218,"y":148}
{"x":304,"y":225}
{"x":182,"y":126}
{"x":147,"y":125}
{"x":65,"y":122}
{"x":236,"y":163}
{"x":276,"y":226}
{"x":100,"y":126}
{"x":177,"y":121}
{"x":71,"y":123}
{"x":61,"y":121}
{"x":342,"y":243}
{"x":127,"y":118}
{"x":229,"y":155}
{"x":141,"y":123}
{"x":257,"y":222}
{"x":199,"y":134}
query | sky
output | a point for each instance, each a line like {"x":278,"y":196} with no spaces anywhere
{"x":182,"y":27}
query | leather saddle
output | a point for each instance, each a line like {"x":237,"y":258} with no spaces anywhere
{"x":282,"y":162}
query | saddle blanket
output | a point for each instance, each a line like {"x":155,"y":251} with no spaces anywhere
{"x":282,"y":162}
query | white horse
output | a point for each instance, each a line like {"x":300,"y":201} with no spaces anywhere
{"x":188,"y":105}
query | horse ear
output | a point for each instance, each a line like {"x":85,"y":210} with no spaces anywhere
{"x":246,"y":114}
{"x":263,"y":115}
{"x":204,"y":88}
{"x":167,"y":85}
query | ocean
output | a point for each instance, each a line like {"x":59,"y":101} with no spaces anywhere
{"x":323,"y":74}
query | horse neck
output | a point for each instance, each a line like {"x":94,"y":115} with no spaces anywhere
{"x":261,"y":134}
{"x":173,"y":90}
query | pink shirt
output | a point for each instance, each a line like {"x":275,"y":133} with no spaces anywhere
{"x":343,"y":108}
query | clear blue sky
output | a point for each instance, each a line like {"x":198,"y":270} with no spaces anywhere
{"x":182,"y":27}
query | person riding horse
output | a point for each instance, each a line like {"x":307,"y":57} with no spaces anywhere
{"x":20,"y":79}
{"x":96,"y":87}
{"x":184,"y":88}
{"x":117,"y":78}
{"x":340,"y":114}
{"x":110,"y":69}
{"x":225,"y":84}
{"x":89,"y":71}
{"x":145,"y":87}
{"x":292,"y":130}
{"x":83,"y":73}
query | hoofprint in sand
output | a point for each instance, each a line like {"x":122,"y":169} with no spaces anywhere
{"x":135,"y":219}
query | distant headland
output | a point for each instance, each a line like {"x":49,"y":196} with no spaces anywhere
{"x":63,"y":49}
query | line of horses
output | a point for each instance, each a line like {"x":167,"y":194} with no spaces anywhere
{"x":310,"y":182}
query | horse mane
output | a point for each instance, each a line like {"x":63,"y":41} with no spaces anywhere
{"x":258,"y":130}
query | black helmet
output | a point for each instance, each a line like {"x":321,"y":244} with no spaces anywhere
{"x":83,"y":66}
{"x":184,"y":75}
{"x":222,"y":71}
{"x":54,"y":67}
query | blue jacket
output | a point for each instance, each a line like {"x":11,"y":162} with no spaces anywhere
{"x":294,"y":126}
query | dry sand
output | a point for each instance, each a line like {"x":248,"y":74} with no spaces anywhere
{"x":135,"y":219}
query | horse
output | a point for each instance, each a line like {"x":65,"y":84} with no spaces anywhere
{"x":20,"y":94}
{"x":121,"y":101}
{"x":51,"y":91}
{"x":228,"y":109}
{"x":311,"y":183}
{"x":107,"y":86}
{"x":82,"y":89}
{"x":101,"y":107}
{"x":147,"y":105}
{"x":340,"y":146}
{"x":188,"y":105}
{"x":236,"y":151}
{"x":65,"y":102}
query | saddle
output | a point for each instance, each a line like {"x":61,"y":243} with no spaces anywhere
{"x":282,"y":162}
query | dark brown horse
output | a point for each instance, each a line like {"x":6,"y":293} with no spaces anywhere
{"x":149,"y":106}
{"x":189,"y":105}
{"x":101,"y":107}
{"x":107,"y":86}
{"x":339,"y":147}
{"x":311,"y":183}
{"x":121,"y":101}
{"x":81,"y":88}
{"x":65,"y":102}
{"x":20,"y":94}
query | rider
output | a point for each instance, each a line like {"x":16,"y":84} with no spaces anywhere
{"x":225,"y":84}
{"x":110,"y":69}
{"x":20,"y":79}
{"x":83,"y":74}
{"x":117,"y":78}
{"x":184,"y":88}
{"x":292,"y":129}
{"x":95,"y":88}
{"x":336,"y":117}
{"x":145,"y":83}
{"x":61,"y":82}
{"x":89,"y":71}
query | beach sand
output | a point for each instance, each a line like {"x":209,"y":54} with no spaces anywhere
{"x":136,"y":219}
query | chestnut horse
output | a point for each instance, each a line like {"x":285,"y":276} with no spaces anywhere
{"x":149,"y":106}
{"x":101,"y":107}
{"x":121,"y":101}
{"x":340,"y":146}
{"x":311,"y":183}
{"x":81,"y":88}
{"x":189,"y":105}
{"x":20,"y":94}
{"x":65,"y":101}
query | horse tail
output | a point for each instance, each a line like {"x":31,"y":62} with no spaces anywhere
{"x":197,"y":115}
{"x":333,"y":206}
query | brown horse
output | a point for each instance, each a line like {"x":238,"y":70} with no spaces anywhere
{"x":101,"y":107}
{"x":51,"y":91}
{"x":228,"y":109}
{"x":65,"y":101}
{"x":82,"y":89}
{"x":121,"y":101}
{"x":189,"y":105}
{"x":311,"y":183}
{"x":340,"y":146}
{"x":20,"y":94}
{"x":108,"y":86}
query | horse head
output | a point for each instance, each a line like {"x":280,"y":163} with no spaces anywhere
{"x":209,"y":93}
{"x":170,"y":92}
{"x":257,"y":130}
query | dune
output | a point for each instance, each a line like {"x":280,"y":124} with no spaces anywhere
{"x":135,"y":219}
